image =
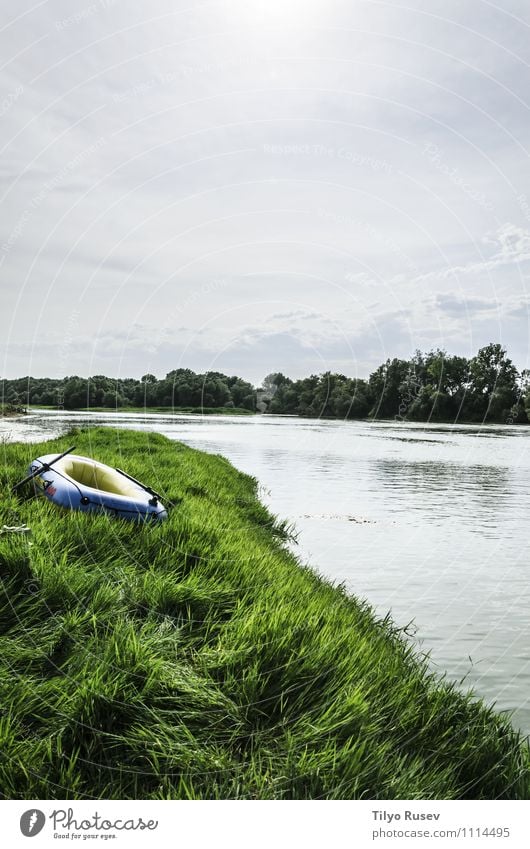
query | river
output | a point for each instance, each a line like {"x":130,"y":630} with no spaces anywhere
{"x":428,"y":521}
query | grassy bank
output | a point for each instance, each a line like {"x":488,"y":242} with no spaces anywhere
{"x":197,"y":659}
{"x":7,"y":410}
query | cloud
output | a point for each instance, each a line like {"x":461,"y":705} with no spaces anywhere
{"x":459,"y":305}
{"x":522,"y":310}
{"x":512,"y":243}
{"x":511,"y":248}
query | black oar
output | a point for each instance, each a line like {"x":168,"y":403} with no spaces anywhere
{"x":156,"y":496}
{"x":44,"y":468}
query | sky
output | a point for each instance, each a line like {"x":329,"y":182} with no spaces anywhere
{"x":248,"y":187}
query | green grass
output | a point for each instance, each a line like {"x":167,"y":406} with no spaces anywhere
{"x":197,"y":659}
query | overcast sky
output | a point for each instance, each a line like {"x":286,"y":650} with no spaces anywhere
{"x":248,"y":186}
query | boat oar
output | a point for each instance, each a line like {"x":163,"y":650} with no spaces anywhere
{"x":156,"y":495}
{"x":44,"y":468}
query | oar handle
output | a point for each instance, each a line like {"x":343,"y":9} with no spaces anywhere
{"x":44,"y":468}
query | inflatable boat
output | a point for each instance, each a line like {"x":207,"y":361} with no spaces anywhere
{"x":79,"y":483}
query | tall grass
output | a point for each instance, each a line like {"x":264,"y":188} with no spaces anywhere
{"x":197,"y":659}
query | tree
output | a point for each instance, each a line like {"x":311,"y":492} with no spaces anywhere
{"x":75,"y":393}
{"x":272,"y":382}
{"x":97,"y":386}
{"x":109,"y":399}
{"x":387,"y":384}
{"x":240,"y":390}
{"x":214,"y":392}
{"x":493,"y":384}
{"x":249,"y":402}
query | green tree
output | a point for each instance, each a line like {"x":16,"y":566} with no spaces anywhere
{"x":75,"y":393}
{"x":239,"y":390}
{"x":386,"y":385}
{"x":273,"y":381}
{"x":493,"y":384}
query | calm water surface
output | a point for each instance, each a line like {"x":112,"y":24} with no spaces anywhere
{"x":430,"y":522}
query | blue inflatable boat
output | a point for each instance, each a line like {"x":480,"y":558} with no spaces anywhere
{"x":79,"y":483}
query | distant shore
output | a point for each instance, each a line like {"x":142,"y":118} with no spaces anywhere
{"x":206,"y":411}
{"x":10,"y":410}
{"x":239,"y":411}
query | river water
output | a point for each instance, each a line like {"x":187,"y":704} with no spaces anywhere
{"x":428,"y":521}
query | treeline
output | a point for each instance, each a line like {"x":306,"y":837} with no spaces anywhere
{"x":179,"y":388}
{"x":429,"y":387}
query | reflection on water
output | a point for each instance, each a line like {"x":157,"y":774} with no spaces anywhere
{"x":428,"y":521}
{"x":484,"y":494}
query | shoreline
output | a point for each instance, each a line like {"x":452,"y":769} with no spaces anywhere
{"x":200,"y":659}
{"x":218,"y":411}
{"x":7,"y":411}
{"x":205,"y":411}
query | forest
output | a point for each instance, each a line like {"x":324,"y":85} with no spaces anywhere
{"x":429,"y":387}
{"x":181,"y":388}
{"x":433,"y":386}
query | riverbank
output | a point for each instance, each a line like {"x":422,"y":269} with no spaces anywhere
{"x":168,"y":411}
{"x":197,"y":659}
{"x":240,"y":411}
{"x":10,"y":410}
